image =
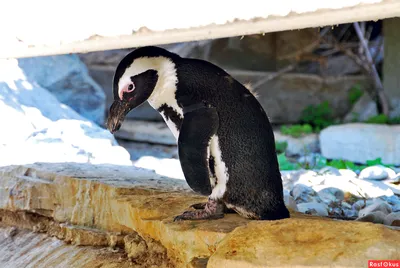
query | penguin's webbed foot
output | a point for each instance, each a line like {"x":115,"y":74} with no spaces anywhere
{"x":203,"y":205}
{"x":199,"y":205}
{"x":212,"y":210}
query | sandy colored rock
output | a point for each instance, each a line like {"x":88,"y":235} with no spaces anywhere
{"x":21,"y":248}
{"x":115,"y":199}
{"x":306,"y":242}
{"x":131,"y":209}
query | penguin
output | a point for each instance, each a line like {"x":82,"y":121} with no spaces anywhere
{"x":226,"y":144}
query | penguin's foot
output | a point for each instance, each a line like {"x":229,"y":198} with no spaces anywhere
{"x":212,"y":210}
{"x":203,"y":205}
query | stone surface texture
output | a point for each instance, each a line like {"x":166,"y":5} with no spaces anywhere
{"x":68,"y":79}
{"x":131,"y":210}
{"x":22,"y":248}
{"x":298,"y":146}
{"x":359,"y":142}
{"x":37,"y":127}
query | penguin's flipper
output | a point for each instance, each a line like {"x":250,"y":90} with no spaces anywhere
{"x":200,"y":124}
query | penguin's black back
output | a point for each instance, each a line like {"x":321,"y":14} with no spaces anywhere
{"x":245,"y":136}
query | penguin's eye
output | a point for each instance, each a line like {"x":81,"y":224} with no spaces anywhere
{"x":130,"y":87}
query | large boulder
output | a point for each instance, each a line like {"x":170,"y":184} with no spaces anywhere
{"x":37,"y":127}
{"x":285,"y":97}
{"x":132,"y":211}
{"x":67,"y":78}
{"x":360,"y":142}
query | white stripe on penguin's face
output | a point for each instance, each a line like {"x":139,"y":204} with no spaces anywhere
{"x":221,"y":171}
{"x":164,"y":91}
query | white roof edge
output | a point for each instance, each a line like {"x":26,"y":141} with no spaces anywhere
{"x":318,"y":18}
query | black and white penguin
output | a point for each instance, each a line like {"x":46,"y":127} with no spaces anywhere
{"x":225,"y":141}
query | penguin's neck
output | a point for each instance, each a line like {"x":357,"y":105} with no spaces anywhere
{"x":163,"y":98}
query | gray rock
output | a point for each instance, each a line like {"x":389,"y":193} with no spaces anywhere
{"x":329,"y":170}
{"x":304,"y":194}
{"x":350,"y":213}
{"x":346,"y":205}
{"x":373,"y":173}
{"x":313,"y":208}
{"x":362,"y":110}
{"x":360,"y":204}
{"x":396,"y":208}
{"x":391,"y":173}
{"x":289,"y":202}
{"x":393,"y":219}
{"x":331,"y":194}
{"x":339,"y":65}
{"x":67,"y":77}
{"x":397,"y":170}
{"x":376,"y":206}
{"x":393,"y":200}
{"x":145,"y":131}
{"x":298,"y":91}
{"x":361,"y":142}
{"x":374,"y":217}
{"x":141,"y":149}
{"x":396,"y":179}
{"x":307,"y":160}
{"x":298,"y":146}
{"x":46,"y":130}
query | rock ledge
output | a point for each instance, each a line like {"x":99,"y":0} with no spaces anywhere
{"x":131,"y":209}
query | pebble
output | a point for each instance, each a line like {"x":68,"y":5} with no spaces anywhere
{"x":304,"y":194}
{"x":396,"y":179}
{"x":330,"y":194}
{"x":391,"y":173}
{"x":393,"y":219}
{"x":393,"y":200}
{"x":329,"y":170}
{"x":290,"y":203}
{"x":375,"y":217}
{"x":313,"y":208}
{"x":396,"y":208}
{"x":376,"y":206}
{"x":360,"y":204}
{"x":350,"y":213}
{"x":377,"y":172}
{"x":307,"y":160}
{"x":346,"y":205}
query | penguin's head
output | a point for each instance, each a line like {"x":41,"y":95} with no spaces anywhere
{"x":140,"y":73}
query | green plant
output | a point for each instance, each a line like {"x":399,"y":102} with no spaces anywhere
{"x":377,"y":119}
{"x":382,"y":119}
{"x":296,"y":130}
{"x":319,"y":116}
{"x":285,"y":164}
{"x":355,"y":93}
{"x":394,"y":120}
{"x":281,"y":146}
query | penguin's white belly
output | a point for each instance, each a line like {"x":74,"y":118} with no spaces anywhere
{"x":171,"y":125}
{"x":221,"y":171}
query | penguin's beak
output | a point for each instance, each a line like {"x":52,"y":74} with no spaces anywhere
{"x":118,"y":110}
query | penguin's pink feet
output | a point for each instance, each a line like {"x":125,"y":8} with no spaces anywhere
{"x":212,"y":210}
